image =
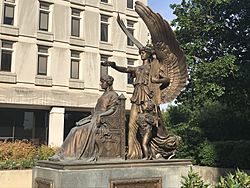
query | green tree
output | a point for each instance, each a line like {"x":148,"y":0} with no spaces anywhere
{"x":193,"y":180}
{"x":215,"y":35}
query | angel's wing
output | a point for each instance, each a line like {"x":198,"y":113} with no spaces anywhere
{"x":168,"y":51}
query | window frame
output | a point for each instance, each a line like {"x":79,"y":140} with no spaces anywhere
{"x":104,"y":57}
{"x":130,"y":62}
{"x":8,"y":50}
{"x":78,"y":18}
{"x":131,"y":29}
{"x":44,"y":11}
{"x":104,"y":1}
{"x":104,"y":24}
{"x":130,"y":4}
{"x":42,"y":54}
{"x":75,"y":59}
{"x":9,"y":4}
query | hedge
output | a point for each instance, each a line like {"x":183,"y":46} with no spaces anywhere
{"x":22,"y":154}
{"x":227,"y":154}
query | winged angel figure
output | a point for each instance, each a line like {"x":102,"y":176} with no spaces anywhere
{"x":159,"y":79}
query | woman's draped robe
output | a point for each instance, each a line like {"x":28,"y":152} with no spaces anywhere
{"x":81,"y":141}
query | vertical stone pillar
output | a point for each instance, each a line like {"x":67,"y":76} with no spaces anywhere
{"x":56,"y":126}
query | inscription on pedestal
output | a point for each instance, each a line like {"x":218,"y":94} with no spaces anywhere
{"x":137,"y":183}
{"x":43,"y":183}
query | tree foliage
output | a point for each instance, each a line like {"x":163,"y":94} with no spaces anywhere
{"x":214,"y":106}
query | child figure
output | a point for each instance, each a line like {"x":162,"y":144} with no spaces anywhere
{"x":146,"y":120}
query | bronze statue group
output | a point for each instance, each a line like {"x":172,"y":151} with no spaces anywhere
{"x":159,"y":79}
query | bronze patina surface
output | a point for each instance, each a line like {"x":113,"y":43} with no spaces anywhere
{"x":159,"y":79}
{"x":100,"y":134}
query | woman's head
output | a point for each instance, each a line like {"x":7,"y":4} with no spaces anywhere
{"x":108,"y":79}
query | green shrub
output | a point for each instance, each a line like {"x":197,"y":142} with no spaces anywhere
{"x":44,"y":152}
{"x":239,"y":180}
{"x":226,"y":154}
{"x":29,"y":163}
{"x":8,"y":164}
{"x":190,"y":141}
{"x":233,"y":154}
{"x":193,"y":180}
{"x":22,"y":154}
{"x":207,"y":154}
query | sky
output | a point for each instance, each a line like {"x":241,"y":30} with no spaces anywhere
{"x":162,"y":7}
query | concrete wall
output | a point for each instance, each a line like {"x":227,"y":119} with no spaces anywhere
{"x":212,"y":175}
{"x":16,"y":178}
{"x":23,"y":178}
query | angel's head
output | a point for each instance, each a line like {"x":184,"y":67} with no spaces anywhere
{"x":146,"y":52}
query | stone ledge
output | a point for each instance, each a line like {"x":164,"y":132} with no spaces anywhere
{"x":132,"y":50}
{"x":47,"y":96}
{"x":106,"y":46}
{"x":8,"y":77}
{"x":76,"y":84}
{"x":9,"y":30}
{"x":106,"y":7}
{"x":43,"y":80}
{"x":117,"y":163}
{"x":43,"y":35}
{"x":131,"y":12}
{"x":78,"y":41}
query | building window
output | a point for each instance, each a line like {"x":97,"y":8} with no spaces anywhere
{"x":130,"y":77}
{"x":104,"y":69}
{"x":104,"y":1}
{"x":130,"y":26}
{"x":6,"y":56}
{"x":75,"y":22}
{"x":130,"y":4}
{"x":75,"y":62}
{"x":104,"y":28}
{"x":42,"y":60}
{"x":28,"y":124}
{"x":9,"y":8}
{"x":130,"y":62}
{"x":44,"y":16}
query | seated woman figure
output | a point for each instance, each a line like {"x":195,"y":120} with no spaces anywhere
{"x":81,"y":142}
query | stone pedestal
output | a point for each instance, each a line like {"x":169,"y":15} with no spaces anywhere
{"x":110,"y":174}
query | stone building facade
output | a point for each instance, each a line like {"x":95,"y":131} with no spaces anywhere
{"x":50,"y":62}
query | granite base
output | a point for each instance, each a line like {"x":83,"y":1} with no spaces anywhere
{"x":110,"y":174}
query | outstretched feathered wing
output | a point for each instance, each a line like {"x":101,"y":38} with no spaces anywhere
{"x":168,"y":51}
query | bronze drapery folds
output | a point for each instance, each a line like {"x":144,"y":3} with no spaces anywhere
{"x":158,"y":80}
{"x":83,"y":141}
